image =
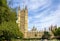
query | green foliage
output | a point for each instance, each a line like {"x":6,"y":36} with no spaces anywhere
{"x":3,"y":3}
{"x":46,"y":35}
{"x":12,"y":28}
{"x":8,"y":27}
{"x":5,"y":11}
{"x":57,"y":32}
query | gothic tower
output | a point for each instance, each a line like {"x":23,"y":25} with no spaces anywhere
{"x":23,"y":20}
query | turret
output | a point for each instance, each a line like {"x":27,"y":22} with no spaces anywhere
{"x":19,"y":12}
{"x":26,"y":17}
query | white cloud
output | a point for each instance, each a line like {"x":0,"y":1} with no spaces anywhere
{"x":35,"y":4}
{"x":46,"y":21}
{"x":41,"y":19}
{"x":53,"y":19}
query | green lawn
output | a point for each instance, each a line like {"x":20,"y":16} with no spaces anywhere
{"x":34,"y":40}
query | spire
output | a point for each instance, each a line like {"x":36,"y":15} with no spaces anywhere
{"x":19,"y":8}
{"x":34,"y":28}
{"x":24,"y":4}
{"x":44,"y":29}
{"x":25,"y":7}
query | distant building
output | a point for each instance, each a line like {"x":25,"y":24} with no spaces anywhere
{"x":23,"y":25}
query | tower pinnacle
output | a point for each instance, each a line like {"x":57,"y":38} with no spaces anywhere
{"x":24,"y":4}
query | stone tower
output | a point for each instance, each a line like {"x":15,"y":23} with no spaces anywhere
{"x":23,"y":20}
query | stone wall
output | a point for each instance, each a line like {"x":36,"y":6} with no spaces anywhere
{"x":34,"y":34}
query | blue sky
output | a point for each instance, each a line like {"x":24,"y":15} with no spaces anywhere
{"x":41,"y":13}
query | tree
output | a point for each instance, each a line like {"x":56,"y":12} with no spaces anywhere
{"x":8,"y":26}
{"x":6,"y":13}
{"x":56,"y":32}
{"x":46,"y":35}
{"x":3,"y":10}
{"x":10,"y":30}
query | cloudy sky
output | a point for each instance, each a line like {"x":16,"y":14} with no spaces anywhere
{"x":41,"y":13}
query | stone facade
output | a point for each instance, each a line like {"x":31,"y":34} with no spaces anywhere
{"x":23,"y":20}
